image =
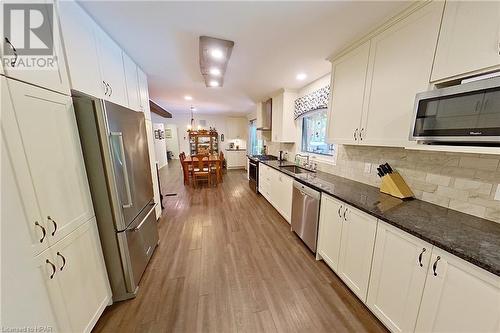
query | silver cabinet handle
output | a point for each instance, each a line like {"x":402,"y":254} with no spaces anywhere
{"x":53,"y":268}
{"x":434,"y":267}
{"x":361,"y":134}
{"x":63,"y":259}
{"x":43,"y":231}
{"x":345,"y":211}
{"x":13,"y":61}
{"x":119,"y":135}
{"x":54,"y":224}
{"x":355,"y":134}
{"x":338,"y":211}
{"x":111,"y":90}
{"x":420,"y":257}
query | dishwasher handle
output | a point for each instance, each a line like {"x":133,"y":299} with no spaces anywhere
{"x":306,"y":190}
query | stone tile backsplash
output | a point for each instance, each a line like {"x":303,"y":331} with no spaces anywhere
{"x":464,"y":182}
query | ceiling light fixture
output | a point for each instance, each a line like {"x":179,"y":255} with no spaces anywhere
{"x":214,"y":56}
{"x":214,"y":71}
{"x":301,"y":76}
{"x":188,"y":98}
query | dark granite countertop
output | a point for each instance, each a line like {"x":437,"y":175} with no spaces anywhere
{"x":471,"y":238}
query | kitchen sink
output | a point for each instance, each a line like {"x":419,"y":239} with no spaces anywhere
{"x":295,"y":169}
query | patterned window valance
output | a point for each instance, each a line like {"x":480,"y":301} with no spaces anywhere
{"x":314,"y":101}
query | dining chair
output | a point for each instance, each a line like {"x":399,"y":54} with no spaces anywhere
{"x":186,"y":168}
{"x":201,"y":170}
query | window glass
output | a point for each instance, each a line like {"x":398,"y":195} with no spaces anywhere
{"x":314,"y":134}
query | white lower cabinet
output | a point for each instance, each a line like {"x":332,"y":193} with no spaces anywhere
{"x":400,"y":263}
{"x":458,"y":297}
{"x":330,"y":231}
{"x":356,"y":250}
{"x":277,"y":188}
{"x":282,"y":191}
{"x":345,"y":241}
{"x":235,"y":159}
{"x":82,"y":277}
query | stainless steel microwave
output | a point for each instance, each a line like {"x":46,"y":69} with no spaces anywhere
{"x":468,"y":113}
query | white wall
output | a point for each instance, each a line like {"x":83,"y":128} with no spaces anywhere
{"x":219,"y":122}
{"x":160,"y":147}
{"x":173,"y":142}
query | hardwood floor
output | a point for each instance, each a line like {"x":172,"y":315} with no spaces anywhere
{"x":228,"y":262}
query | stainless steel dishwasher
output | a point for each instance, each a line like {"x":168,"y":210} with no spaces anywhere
{"x":305,"y":214}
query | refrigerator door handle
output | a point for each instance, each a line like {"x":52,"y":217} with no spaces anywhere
{"x":119,"y":135}
{"x":145,"y":218}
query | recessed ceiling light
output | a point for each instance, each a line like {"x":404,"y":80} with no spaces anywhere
{"x":301,"y":76}
{"x":214,"y":71}
{"x":188,"y":98}
{"x":213,"y":83}
{"x":216,"y":53}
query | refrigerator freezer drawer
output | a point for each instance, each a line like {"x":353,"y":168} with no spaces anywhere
{"x":141,"y":241}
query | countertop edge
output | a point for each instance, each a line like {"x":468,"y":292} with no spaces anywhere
{"x":460,"y":254}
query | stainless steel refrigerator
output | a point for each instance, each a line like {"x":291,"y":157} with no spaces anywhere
{"x":115,"y":150}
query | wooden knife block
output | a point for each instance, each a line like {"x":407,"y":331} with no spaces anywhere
{"x":393,"y":184}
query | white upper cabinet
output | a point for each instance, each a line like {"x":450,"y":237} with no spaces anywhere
{"x":458,"y":297}
{"x":400,"y":263}
{"x":356,"y":250}
{"x":112,"y":71}
{"x":132,"y":82}
{"x":330,"y":230}
{"x":400,"y":66}
{"x":95,"y":61}
{"x":54,"y":157}
{"x":51,"y":77}
{"x":469,"y":39}
{"x":347,"y":94}
{"x":78,"y":31}
{"x":283,"y":123}
{"x":144,"y":93}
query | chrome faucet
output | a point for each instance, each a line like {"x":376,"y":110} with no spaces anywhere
{"x":306,"y":156}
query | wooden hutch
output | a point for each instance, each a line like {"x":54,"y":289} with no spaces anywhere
{"x":203,"y":142}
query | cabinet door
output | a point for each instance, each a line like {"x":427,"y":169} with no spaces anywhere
{"x":400,"y":66}
{"x":277,"y":118}
{"x":82,"y":276}
{"x":347,"y":90}
{"x":12,"y":149}
{"x":283,"y":196}
{"x":131,"y":80}
{"x":330,"y":231}
{"x":48,"y":130}
{"x":458,"y":297}
{"x":111,"y":65}
{"x":400,"y":263}
{"x":78,"y":32}
{"x":144,"y":93}
{"x":469,"y":39}
{"x":55,"y":76}
{"x":29,"y":297}
{"x":356,"y":250}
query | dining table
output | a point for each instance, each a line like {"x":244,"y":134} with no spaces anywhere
{"x":213,"y":159}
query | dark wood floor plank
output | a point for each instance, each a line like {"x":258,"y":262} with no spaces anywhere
{"x":228,"y":262}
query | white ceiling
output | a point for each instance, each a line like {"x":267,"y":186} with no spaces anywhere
{"x":273,"y":42}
